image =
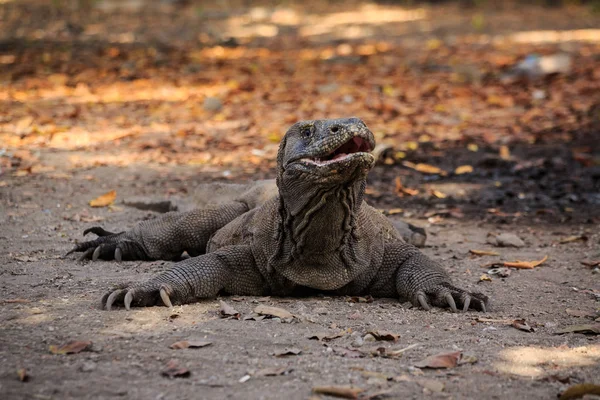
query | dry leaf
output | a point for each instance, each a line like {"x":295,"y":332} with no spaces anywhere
{"x":570,"y":239}
{"x":326,"y":336}
{"x":401,"y":190}
{"x":587,"y":328}
{"x":104,"y":200}
{"x":347,"y":392}
{"x":73,"y":347}
{"x":525,"y":264}
{"x":484,"y":253}
{"x":173,"y":370}
{"x":274,"y":312}
{"x":22,"y":374}
{"x":287,"y":352}
{"x":425,"y":168}
{"x":485,"y":278}
{"x":577,"y":391}
{"x":591,"y":264}
{"x":192,"y":344}
{"x":521,"y":325}
{"x":504,"y":153}
{"x":463,"y":169}
{"x":360,"y":299}
{"x":393,"y":211}
{"x":384,"y":335}
{"x":442,"y":360}
{"x":20,"y":301}
{"x":227,"y":311}
{"x":438,"y":194}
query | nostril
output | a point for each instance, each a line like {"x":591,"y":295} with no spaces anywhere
{"x":334,"y":129}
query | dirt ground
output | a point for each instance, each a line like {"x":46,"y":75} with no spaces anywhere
{"x":75,"y":127}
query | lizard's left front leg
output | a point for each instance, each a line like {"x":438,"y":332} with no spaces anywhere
{"x":230,"y":268}
{"x":424,"y":282}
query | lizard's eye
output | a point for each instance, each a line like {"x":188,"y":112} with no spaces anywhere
{"x":306,"y":131}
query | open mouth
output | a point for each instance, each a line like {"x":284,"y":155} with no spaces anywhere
{"x":354,"y":145}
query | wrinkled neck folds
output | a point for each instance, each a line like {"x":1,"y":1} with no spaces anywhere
{"x":319,"y":220}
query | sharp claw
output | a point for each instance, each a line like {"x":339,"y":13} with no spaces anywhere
{"x":86,"y":254}
{"x":165,"y":297}
{"x":111,"y":299}
{"x":128,"y":299}
{"x":467,"y":303}
{"x":118,"y":254}
{"x":451,"y":302}
{"x":96,"y":253}
{"x":483,"y":306}
{"x":423,"y":301}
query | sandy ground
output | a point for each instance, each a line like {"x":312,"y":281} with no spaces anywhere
{"x":103,"y":98}
{"x":50,"y":300}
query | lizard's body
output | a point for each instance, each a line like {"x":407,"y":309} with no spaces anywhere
{"x":315,"y":234}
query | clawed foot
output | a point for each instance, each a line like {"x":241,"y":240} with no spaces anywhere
{"x":119,"y":246}
{"x":447,"y":295}
{"x":149,"y":294}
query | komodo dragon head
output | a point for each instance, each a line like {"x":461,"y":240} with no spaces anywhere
{"x":321,"y":177}
{"x":326,"y":151}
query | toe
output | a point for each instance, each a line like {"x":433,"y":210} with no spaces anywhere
{"x":450,"y":300}
{"x":422,"y":299}
{"x":116,"y":296}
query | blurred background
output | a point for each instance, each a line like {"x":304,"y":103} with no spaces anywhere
{"x":490,"y":107}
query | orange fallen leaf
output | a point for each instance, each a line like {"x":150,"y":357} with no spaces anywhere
{"x":104,"y":200}
{"x":393,"y":211}
{"x":347,"y":392}
{"x":424,"y":168}
{"x":401,"y":190}
{"x":504,"y":152}
{"x":525,"y":264}
{"x":173,"y":370}
{"x":484,"y":252}
{"x":73,"y":347}
{"x":442,"y":360}
{"x":438,"y":194}
{"x":463,"y":169}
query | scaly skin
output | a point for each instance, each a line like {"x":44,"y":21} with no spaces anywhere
{"x":316,"y":234}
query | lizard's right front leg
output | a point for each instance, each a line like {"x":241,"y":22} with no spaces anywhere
{"x":230,"y":268}
{"x":162,"y":238}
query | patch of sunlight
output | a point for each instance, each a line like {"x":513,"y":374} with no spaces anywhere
{"x":116,"y":92}
{"x":577,"y":35}
{"x":366,"y":15}
{"x":259,"y":30}
{"x":537,"y":361}
{"x":155,"y":320}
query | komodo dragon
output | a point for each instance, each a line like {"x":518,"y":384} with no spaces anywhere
{"x":316,"y":234}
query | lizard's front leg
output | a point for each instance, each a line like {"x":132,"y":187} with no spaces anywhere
{"x":424,"y":282}
{"x":231,"y":268}
{"x":162,"y":238}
